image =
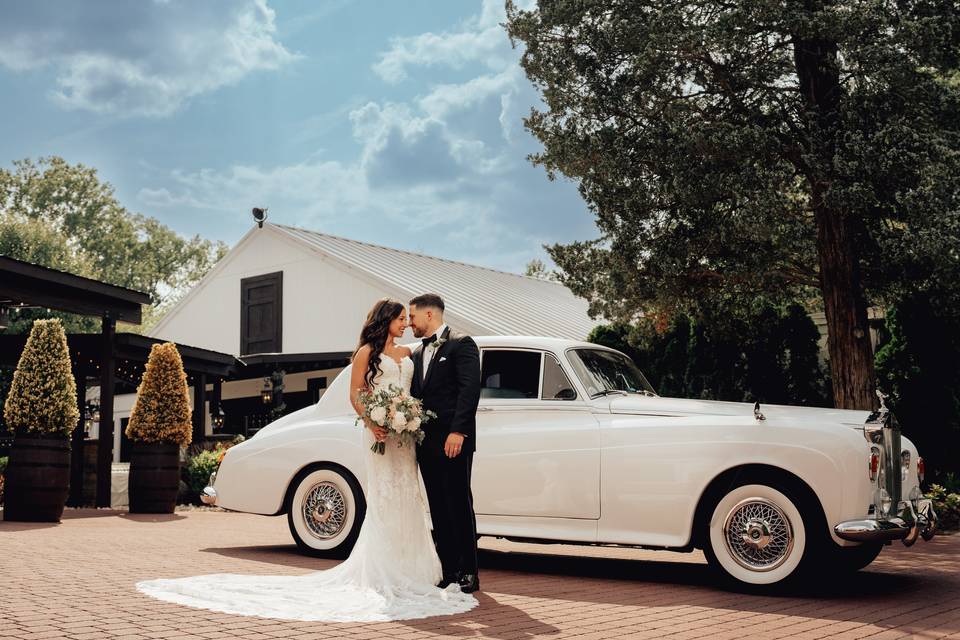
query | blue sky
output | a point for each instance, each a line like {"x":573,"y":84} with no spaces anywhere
{"x":397,"y":123}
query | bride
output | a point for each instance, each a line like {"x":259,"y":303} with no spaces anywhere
{"x":393,"y":570}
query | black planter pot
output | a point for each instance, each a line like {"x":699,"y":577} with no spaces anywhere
{"x":37,"y":479}
{"x":154,"y":477}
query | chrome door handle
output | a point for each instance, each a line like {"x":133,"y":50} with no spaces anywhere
{"x":484,"y":408}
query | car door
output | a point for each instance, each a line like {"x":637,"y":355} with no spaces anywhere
{"x":538,"y":442}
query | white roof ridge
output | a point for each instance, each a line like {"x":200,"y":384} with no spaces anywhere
{"x":414,"y":253}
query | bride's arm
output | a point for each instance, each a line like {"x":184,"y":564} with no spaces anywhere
{"x":357,"y":382}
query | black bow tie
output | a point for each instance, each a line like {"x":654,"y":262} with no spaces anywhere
{"x":427,"y":341}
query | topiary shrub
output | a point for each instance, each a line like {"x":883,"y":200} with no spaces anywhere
{"x":43,"y":395}
{"x":161,"y":412}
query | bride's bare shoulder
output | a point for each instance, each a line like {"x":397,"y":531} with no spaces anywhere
{"x":405,"y":352}
{"x":363,"y":353}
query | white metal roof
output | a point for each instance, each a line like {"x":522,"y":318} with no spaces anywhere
{"x":477,"y":299}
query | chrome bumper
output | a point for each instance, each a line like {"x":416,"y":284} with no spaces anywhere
{"x":916,"y":519}
{"x":209,"y":494}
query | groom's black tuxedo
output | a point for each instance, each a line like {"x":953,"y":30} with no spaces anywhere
{"x":451,"y":389}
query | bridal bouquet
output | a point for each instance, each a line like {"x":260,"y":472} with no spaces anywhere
{"x":396,"y":411}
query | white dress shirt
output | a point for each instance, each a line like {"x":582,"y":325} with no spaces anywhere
{"x":430,"y":349}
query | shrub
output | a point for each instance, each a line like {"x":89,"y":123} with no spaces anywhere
{"x":197,"y":472}
{"x":161,"y":412}
{"x":770,"y":355}
{"x":43,"y":395}
{"x":947,"y":506}
{"x":917,"y":366}
{"x":3,"y":467}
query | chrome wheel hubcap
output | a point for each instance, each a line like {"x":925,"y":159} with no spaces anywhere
{"x":758,"y":534}
{"x":324,"y":510}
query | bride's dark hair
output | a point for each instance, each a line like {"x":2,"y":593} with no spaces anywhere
{"x":375,"y":332}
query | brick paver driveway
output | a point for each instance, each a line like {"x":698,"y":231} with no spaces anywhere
{"x":76,"y":580}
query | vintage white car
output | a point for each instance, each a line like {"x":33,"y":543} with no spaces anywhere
{"x":574,"y":446}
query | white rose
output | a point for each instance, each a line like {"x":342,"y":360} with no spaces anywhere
{"x":399,"y":421}
{"x":378,"y":415}
{"x":413,"y":425}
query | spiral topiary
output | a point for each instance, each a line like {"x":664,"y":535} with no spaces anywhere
{"x":43,"y":395}
{"x":161,"y":413}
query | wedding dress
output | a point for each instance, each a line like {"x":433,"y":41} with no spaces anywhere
{"x":390,"y":575}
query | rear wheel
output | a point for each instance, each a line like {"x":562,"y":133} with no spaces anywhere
{"x":326,"y":510}
{"x":757,"y":534}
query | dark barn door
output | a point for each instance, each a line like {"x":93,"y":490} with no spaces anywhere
{"x":261,"y":303}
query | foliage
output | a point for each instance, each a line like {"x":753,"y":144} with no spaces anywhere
{"x":161,"y":411}
{"x":770,"y":355}
{"x":198,"y":469}
{"x":946,"y":504}
{"x":43,"y":395}
{"x":791,"y":150}
{"x":537,"y":269}
{"x":63,"y":216}
{"x":917,"y":367}
{"x":3,"y":467}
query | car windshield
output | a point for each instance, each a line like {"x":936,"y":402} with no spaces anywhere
{"x":603,"y":372}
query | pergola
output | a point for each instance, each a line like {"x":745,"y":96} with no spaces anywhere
{"x":109,"y":356}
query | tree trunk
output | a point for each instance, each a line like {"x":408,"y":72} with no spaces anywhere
{"x":848,"y":335}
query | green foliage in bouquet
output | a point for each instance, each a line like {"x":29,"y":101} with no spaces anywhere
{"x":43,"y":395}
{"x":161,"y":412}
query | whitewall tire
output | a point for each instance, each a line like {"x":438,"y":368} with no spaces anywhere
{"x":326,"y":510}
{"x":757,"y":535}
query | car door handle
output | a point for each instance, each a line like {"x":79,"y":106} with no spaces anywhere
{"x":484,"y":408}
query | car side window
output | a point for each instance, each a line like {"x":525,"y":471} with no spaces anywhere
{"x":509,"y":374}
{"x":556,"y":384}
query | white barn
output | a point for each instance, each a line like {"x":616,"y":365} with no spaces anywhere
{"x":293,"y":299}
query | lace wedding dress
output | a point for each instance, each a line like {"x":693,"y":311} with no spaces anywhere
{"x":390,"y":575}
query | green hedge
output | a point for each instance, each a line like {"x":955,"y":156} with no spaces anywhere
{"x":771,"y":356}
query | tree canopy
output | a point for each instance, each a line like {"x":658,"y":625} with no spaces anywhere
{"x":806,"y":150}
{"x":63,"y":216}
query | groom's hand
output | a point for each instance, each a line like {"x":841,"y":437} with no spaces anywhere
{"x":453,"y":445}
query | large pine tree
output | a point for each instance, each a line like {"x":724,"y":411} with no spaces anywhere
{"x":795,"y":150}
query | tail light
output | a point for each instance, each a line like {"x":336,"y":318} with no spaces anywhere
{"x":921,"y":469}
{"x":874,"y":463}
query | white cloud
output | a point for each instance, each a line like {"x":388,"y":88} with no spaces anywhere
{"x":480,"y":39}
{"x":444,"y":172}
{"x":140,"y":58}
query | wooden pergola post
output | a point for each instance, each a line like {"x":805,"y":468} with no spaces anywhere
{"x":75,"y":499}
{"x":105,"y":443}
{"x":199,"y":407}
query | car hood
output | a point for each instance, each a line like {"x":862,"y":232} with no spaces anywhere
{"x":637,"y":404}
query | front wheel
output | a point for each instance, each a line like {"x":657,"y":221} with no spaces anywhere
{"x":326,"y":510}
{"x":757,"y":535}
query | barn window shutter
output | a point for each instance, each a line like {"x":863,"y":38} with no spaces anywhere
{"x":261,"y":318}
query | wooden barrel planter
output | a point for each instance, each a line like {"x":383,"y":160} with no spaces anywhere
{"x":37,"y":478}
{"x":154,"y":477}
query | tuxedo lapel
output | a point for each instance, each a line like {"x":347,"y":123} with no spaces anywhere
{"x":445,"y":336}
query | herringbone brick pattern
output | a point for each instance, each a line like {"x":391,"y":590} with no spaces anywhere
{"x":76,"y":580}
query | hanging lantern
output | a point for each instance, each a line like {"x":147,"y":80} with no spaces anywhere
{"x":266,"y":394}
{"x":217,"y":419}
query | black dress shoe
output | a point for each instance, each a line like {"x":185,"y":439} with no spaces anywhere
{"x":469,"y":582}
{"x":446,"y":581}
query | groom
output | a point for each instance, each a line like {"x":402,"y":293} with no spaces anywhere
{"x":446,"y":377}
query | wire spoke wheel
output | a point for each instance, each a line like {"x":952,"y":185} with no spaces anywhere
{"x":324,"y":510}
{"x":758,"y":534}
